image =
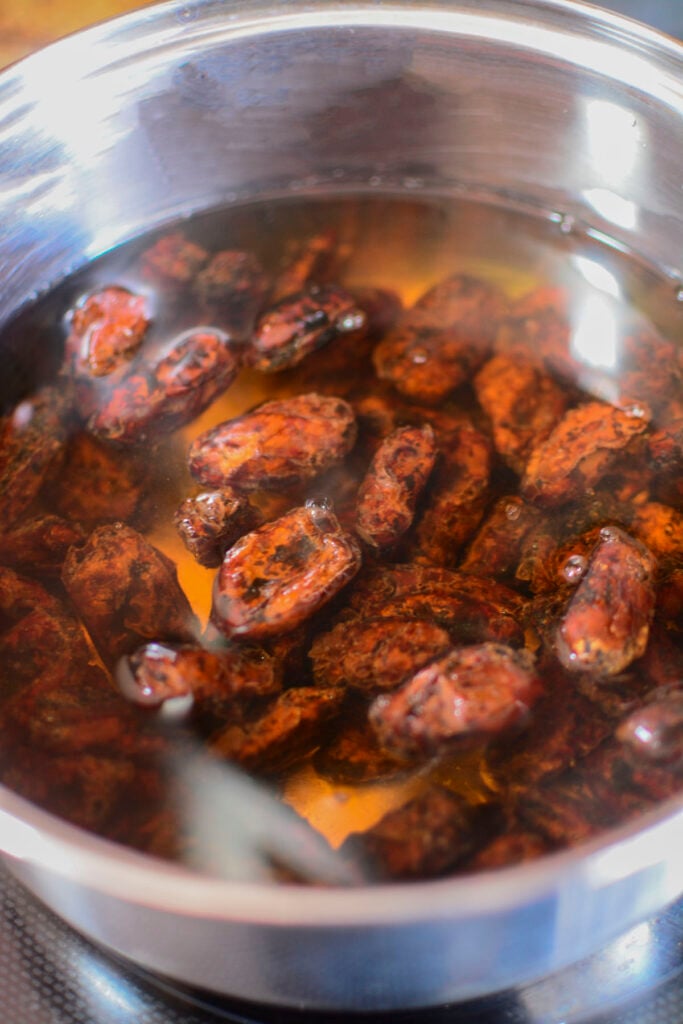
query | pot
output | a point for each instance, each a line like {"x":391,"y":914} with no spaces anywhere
{"x":188,"y":106}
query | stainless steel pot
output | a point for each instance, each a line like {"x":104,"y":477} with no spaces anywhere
{"x":552,"y":105}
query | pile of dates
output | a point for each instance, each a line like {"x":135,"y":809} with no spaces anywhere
{"x":431,"y":541}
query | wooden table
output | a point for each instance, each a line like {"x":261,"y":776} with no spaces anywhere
{"x":26,"y":25}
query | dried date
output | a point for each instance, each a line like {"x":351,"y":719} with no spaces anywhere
{"x":160,"y":396}
{"x":606,"y":624}
{"x":457,"y":498}
{"x":375,"y":654}
{"x":287,"y":332}
{"x":312,"y":261}
{"x":96,"y":483}
{"x":523,"y":403}
{"x":388,"y":495}
{"x":470,"y":609}
{"x":173,"y":261}
{"x":32,"y":441}
{"x":211,"y":522}
{"x":273,"y":579}
{"x":579,"y":451}
{"x":106,"y":329}
{"x":85,"y":789}
{"x":496,"y":549}
{"x":231,"y":290}
{"x":280,"y":444}
{"x":660,"y":527}
{"x":72,"y":713}
{"x":515,"y":846}
{"x":126,"y":592}
{"x":219,"y":681}
{"x":471,"y":692}
{"x":429,"y":836}
{"x":564,"y":727}
{"x":353,"y":755}
{"x":442,"y":340}
{"x":288,"y":730}
{"x":39,"y":545}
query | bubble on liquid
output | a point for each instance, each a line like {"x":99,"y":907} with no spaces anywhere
{"x":187,"y":14}
{"x":320,"y":509}
{"x":419,"y":356}
{"x":636,"y":410}
{"x":413,"y":183}
{"x":608,"y":533}
{"x":567,"y":223}
{"x":375,"y":181}
{"x":350,"y":322}
{"x":679,"y":295}
{"x":513,"y":511}
{"x":574,"y":568}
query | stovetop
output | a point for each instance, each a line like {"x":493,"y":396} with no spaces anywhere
{"x":50,"y":975}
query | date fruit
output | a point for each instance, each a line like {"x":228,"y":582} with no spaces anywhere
{"x":279,"y":444}
{"x":273,"y":579}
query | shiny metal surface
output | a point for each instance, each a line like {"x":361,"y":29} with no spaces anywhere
{"x":548,"y":105}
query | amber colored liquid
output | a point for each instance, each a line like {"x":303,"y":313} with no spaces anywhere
{"x":405,"y":245}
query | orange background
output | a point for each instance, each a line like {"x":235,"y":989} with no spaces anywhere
{"x":26,"y":25}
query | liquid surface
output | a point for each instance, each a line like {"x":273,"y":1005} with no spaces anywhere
{"x":126,"y":788}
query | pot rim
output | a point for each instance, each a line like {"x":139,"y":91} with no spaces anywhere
{"x":40,"y":839}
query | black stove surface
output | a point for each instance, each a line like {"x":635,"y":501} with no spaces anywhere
{"x":50,"y":975}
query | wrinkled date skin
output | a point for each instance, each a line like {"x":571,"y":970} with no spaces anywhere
{"x":37,"y":634}
{"x":427,"y":837}
{"x":470,"y":692}
{"x":167,"y":394}
{"x":515,"y":846}
{"x":287,"y":731}
{"x":32,"y":441}
{"x":442,"y":340}
{"x":565,"y":726}
{"x":313,"y":261}
{"x":39,"y":545}
{"x":496,"y":549}
{"x":397,"y":475}
{"x":607,"y":622}
{"x":83,"y":788}
{"x":375,"y":654}
{"x":126,"y":592}
{"x":579,"y":451}
{"x":106,"y":329}
{"x":457,"y":500}
{"x":353,"y":755}
{"x":286,"y":333}
{"x":471,"y":610}
{"x":276,"y":577}
{"x":278,"y":445}
{"x":604,"y":788}
{"x":211,"y":522}
{"x":173,"y":261}
{"x":75,"y":712}
{"x":660,"y":528}
{"x":231,"y":290}
{"x":114,"y":488}
{"x":523,"y":403}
